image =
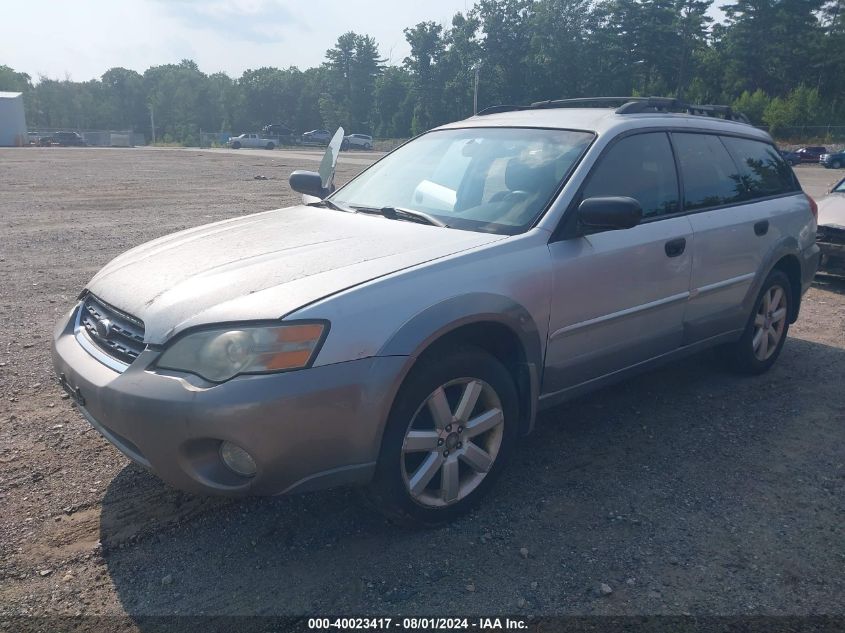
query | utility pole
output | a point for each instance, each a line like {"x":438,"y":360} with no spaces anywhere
{"x":475,"y":67}
{"x":153,"y":122}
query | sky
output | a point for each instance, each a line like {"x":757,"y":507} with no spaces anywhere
{"x":81,"y":39}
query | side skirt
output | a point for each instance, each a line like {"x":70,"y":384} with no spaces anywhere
{"x":553,"y":399}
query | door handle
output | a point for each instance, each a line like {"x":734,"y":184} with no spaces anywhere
{"x":675,"y":247}
{"x":761,"y":227}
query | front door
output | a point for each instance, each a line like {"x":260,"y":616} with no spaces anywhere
{"x":619,"y":296}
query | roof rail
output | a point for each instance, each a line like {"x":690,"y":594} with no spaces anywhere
{"x":629,"y":105}
{"x":499,"y":108}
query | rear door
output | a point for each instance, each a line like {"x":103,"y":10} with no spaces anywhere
{"x":618,"y":296}
{"x":735,"y":189}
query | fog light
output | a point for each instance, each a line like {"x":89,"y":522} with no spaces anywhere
{"x":237,"y":459}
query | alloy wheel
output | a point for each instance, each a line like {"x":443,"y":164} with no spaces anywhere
{"x":769,"y":323}
{"x":452,"y":442}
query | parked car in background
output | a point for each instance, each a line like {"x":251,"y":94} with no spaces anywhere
{"x":63,"y":139}
{"x":404,"y":330}
{"x":831,"y":230}
{"x":317,"y":137}
{"x":357,"y":141}
{"x":810,"y":154}
{"x":790,"y":157}
{"x":835,"y":160}
{"x":282,"y":134}
{"x":251,"y":140}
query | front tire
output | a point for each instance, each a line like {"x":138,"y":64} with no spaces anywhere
{"x":766,"y":330}
{"x":452,"y":427}
{"x":236,"y":145}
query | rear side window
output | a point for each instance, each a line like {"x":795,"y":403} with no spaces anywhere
{"x":763,"y":171}
{"x":639,"y":167}
{"x":710,"y":176}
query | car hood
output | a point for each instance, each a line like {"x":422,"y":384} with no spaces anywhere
{"x":264,"y":266}
{"x":832,"y":210}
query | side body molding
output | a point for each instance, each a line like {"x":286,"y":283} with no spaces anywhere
{"x":426,"y":327}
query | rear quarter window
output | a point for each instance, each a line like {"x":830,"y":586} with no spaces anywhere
{"x":762,"y":169}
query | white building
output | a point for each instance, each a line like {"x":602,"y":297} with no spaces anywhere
{"x":12,"y":120}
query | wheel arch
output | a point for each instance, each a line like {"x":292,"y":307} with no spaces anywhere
{"x":791,"y":266}
{"x":786,"y":257}
{"x":495,"y":323}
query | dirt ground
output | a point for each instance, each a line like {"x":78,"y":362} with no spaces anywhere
{"x":685,"y":490}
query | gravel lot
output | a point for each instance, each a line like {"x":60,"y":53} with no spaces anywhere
{"x":685,"y":490}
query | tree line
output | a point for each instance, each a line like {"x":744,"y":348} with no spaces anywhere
{"x":782,"y":62}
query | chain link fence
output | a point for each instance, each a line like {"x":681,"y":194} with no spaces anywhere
{"x":806,"y":134}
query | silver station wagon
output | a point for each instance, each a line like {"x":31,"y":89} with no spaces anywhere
{"x":402,"y":331}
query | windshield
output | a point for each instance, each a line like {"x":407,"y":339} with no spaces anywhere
{"x":840,"y":188}
{"x":496,"y":180}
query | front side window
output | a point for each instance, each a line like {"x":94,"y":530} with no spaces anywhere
{"x":763,"y":171}
{"x":496,"y":180}
{"x":710,"y":176}
{"x":639,"y":167}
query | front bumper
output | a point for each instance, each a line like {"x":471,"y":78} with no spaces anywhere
{"x":306,"y":430}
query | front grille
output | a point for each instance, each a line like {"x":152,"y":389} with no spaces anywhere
{"x":119,"y":335}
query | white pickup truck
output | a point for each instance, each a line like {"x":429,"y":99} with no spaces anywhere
{"x":251,"y":140}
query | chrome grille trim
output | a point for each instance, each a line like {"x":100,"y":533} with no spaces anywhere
{"x":120,"y":345}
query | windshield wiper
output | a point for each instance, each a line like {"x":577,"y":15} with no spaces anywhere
{"x":330,"y":205}
{"x":400,"y":213}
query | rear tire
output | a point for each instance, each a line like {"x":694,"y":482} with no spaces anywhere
{"x":836,"y":164}
{"x":766,"y":330}
{"x":269,"y":146}
{"x":450,"y":432}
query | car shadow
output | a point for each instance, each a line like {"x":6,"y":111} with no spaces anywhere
{"x":830,"y":283}
{"x":687,"y":482}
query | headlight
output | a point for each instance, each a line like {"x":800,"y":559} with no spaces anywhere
{"x":219,"y":355}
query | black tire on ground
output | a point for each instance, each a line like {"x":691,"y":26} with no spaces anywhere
{"x":388,"y":491}
{"x":236,"y":145}
{"x":269,"y":146}
{"x":368,"y":146}
{"x":836,"y":164}
{"x":740,"y":356}
{"x":344,"y":146}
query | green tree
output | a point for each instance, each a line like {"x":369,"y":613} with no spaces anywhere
{"x":506,"y":47}
{"x":753,"y":105}
{"x":424,"y":66}
{"x":353,"y":65}
{"x":393,"y":107}
{"x":770,"y":44}
{"x":461,"y":54}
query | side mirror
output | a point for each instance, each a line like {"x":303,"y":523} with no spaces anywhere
{"x":610,"y":213}
{"x":309,"y":183}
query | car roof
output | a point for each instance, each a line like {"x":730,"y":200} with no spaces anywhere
{"x":606,"y":121}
